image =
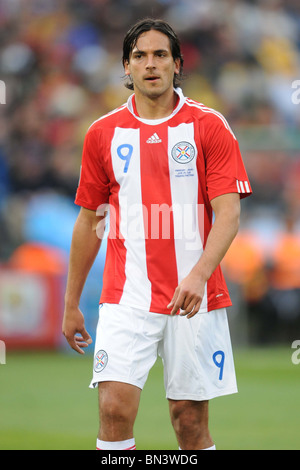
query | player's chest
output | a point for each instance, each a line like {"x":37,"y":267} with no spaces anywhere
{"x":154,"y":154}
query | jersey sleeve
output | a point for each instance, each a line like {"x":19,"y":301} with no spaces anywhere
{"x":225,"y":170}
{"x":93,"y":188}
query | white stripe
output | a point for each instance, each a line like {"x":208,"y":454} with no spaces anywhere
{"x":247,"y":187}
{"x":205,"y":109}
{"x":238,"y":186}
{"x":242,"y":187}
{"x":132,"y":220}
{"x":211,"y":111}
{"x":184,"y":192}
{"x":109,"y":114}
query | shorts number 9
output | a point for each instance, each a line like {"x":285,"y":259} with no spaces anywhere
{"x":219,"y":360}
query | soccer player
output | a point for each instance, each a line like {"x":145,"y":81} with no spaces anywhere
{"x":163,"y":165}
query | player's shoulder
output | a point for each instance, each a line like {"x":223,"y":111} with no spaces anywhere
{"x":203,"y":112}
{"x":209,"y":117}
{"x":109,"y":120}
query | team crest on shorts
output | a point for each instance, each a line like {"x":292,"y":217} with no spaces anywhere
{"x":183,"y":152}
{"x":101,"y":360}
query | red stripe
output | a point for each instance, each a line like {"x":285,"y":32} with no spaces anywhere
{"x":160,"y":253}
{"x":114,"y":272}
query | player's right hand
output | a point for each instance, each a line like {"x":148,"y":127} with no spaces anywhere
{"x":73,"y":329}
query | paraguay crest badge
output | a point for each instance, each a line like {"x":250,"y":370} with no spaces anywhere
{"x":101,"y":360}
{"x":183,"y":152}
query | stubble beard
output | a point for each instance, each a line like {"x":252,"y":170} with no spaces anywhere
{"x":153,"y":93}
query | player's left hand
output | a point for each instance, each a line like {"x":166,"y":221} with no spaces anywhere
{"x":188,"y":296}
{"x":73,"y":329}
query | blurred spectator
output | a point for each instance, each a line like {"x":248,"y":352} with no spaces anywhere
{"x":274,"y":310}
{"x":38,"y":258}
{"x":244,"y":265}
{"x":286,"y":257}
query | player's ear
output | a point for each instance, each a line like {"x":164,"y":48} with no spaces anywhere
{"x":126,"y":67}
{"x":177,"y":66}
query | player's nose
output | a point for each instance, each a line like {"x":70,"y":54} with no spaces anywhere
{"x":150,"y":62}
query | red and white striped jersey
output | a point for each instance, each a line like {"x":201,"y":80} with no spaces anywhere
{"x":158,"y":177}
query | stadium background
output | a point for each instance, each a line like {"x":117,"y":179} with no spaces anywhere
{"x":61,"y":63}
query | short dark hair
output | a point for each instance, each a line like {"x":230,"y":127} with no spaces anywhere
{"x":149,"y":24}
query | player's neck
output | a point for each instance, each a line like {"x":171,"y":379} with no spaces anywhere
{"x":156,"y":107}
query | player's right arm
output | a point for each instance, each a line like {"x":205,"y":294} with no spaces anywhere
{"x":84,"y":249}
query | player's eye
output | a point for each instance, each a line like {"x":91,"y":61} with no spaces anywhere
{"x":161,"y":54}
{"x":138,"y":55}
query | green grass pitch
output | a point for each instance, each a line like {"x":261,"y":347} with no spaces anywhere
{"x":45,"y":403}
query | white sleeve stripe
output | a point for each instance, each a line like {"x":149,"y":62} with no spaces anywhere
{"x":211,"y":111}
{"x":247,"y":187}
{"x":109,"y":114}
{"x":243,"y":187}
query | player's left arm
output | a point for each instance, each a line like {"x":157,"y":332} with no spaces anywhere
{"x":189,"y":294}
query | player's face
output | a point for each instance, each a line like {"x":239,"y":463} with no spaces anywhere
{"x":151,"y":65}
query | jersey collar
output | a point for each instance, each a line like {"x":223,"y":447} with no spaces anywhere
{"x":154,"y":122}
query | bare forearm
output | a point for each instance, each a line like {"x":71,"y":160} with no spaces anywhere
{"x":84,"y":248}
{"x":220,"y":238}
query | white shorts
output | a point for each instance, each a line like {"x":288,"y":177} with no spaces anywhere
{"x":196,"y":353}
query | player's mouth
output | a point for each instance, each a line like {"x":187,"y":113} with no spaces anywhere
{"x":152,"y":78}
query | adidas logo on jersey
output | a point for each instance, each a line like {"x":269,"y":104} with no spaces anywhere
{"x":154,"y":139}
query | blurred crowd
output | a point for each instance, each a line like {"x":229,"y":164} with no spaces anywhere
{"x":61,"y":63}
